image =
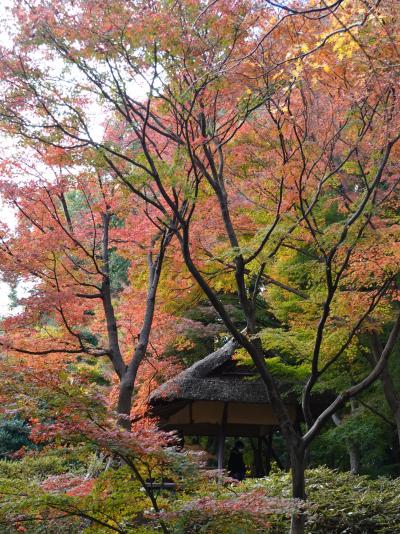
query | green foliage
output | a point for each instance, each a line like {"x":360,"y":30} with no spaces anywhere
{"x":38,"y":466}
{"x":295,"y":374}
{"x":372,"y":436}
{"x":14,"y":434}
{"x":31,"y":489}
{"x":291,"y":346}
{"x":51,"y":494}
{"x":119,"y":267}
{"x":94,"y":370}
{"x":76,"y":202}
{"x":89,"y":337}
{"x":287,"y":354}
{"x":13,"y":295}
{"x":21,"y":495}
{"x":118,"y":499}
{"x":341,"y":502}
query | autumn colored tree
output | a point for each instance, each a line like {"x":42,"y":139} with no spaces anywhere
{"x":277,"y":124}
{"x":72,"y":232}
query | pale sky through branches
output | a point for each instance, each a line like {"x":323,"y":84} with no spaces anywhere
{"x":7,"y":217}
{"x":6,"y":214}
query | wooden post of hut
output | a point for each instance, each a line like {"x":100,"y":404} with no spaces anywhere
{"x":221,"y":438}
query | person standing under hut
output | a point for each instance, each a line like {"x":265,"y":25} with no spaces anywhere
{"x":236,"y":466}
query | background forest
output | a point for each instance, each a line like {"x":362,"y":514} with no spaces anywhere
{"x":178,"y":177}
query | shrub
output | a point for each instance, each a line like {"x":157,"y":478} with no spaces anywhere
{"x":231,"y":512}
{"x":339,"y":502}
{"x":14,"y":434}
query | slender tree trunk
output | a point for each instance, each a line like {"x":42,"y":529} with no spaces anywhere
{"x":109,"y":313}
{"x":297,"y":457}
{"x":354,"y":456}
{"x":258,"y":465}
{"x":392,"y":396}
{"x":261,"y":471}
{"x":352,"y":447}
{"x":126,"y":388}
{"x":268,"y":453}
{"x":272,"y":454}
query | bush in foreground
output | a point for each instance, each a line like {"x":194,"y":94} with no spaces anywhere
{"x":46,"y":493}
{"x":339,"y":502}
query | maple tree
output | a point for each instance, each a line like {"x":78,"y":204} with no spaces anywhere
{"x":73,"y":231}
{"x":277,"y":124}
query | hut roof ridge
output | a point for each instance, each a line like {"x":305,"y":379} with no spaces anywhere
{"x":198,"y":371}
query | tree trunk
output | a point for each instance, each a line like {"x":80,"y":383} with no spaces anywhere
{"x":257,"y":468}
{"x":352,"y":447}
{"x":392,"y":396}
{"x":268,"y":453}
{"x":354,"y":455}
{"x":125,"y":403}
{"x":397,"y":420}
{"x":297,"y":456}
{"x":128,"y":377}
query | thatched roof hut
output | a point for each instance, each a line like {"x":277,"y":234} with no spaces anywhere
{"x":213,"y":394}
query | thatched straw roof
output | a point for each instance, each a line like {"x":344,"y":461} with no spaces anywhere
{"x":215,"y":378}
{"x":216,"y":392}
